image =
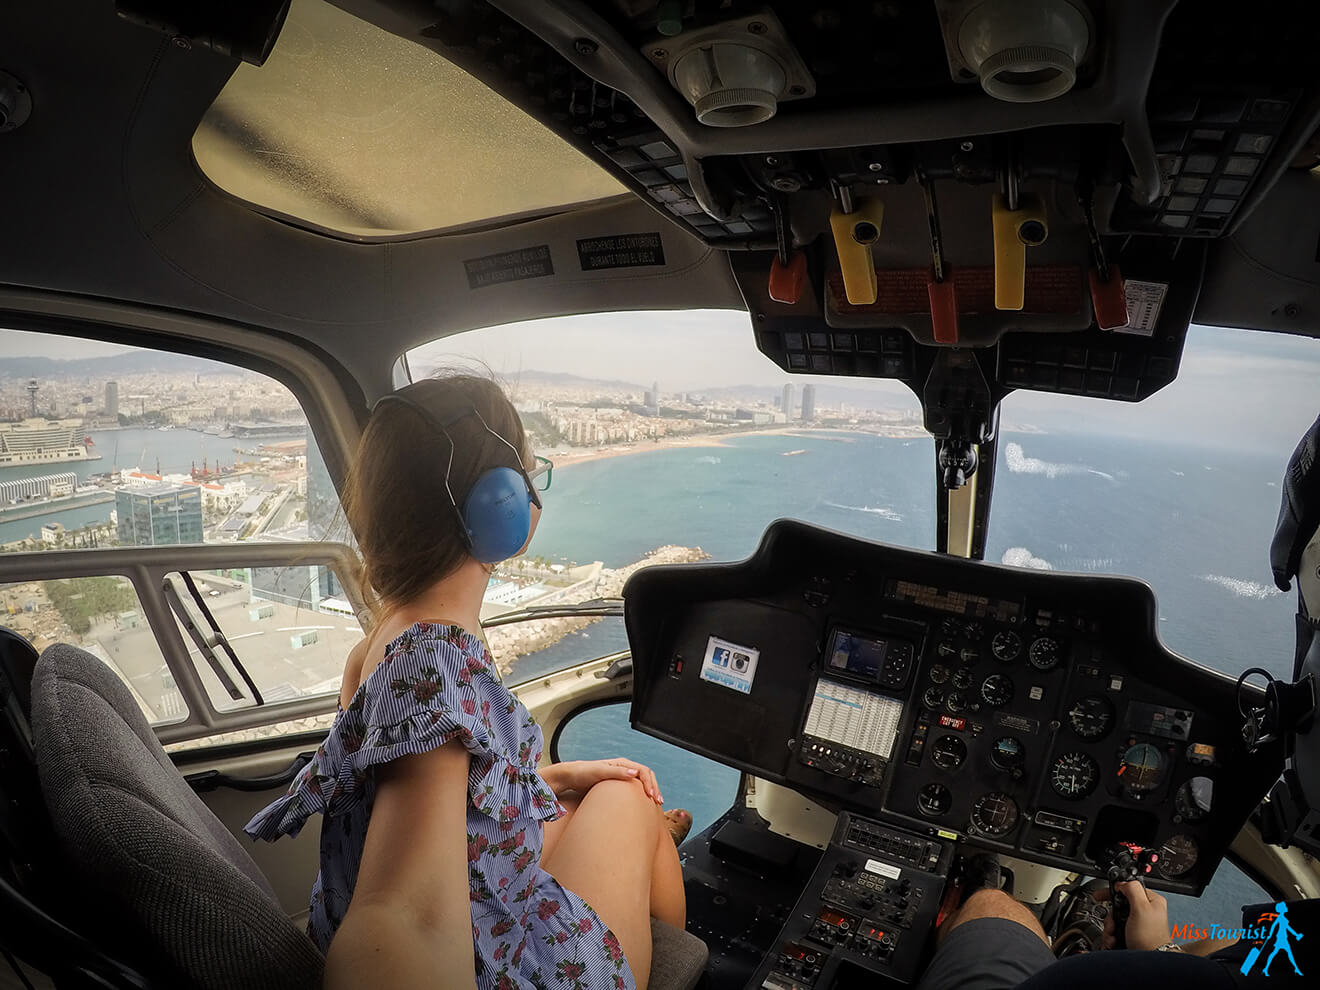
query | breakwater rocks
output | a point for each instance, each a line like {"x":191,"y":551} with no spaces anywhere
{"x":508,"y":643}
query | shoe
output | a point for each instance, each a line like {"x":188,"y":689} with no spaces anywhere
{"x":980,"y":872}
{"x":679,"y":823}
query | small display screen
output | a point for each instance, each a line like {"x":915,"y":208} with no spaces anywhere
{"x":853,"y":717}
{"x":862,"y":656}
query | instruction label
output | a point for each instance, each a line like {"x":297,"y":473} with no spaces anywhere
{"x":621,"y":251}
{"x":509,"y":266}
{"x":884,"y":869}
{"x":1144,"y":302}
{"x":729,"y":665}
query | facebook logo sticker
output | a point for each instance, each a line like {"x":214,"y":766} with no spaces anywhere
{"x":729,"y":665}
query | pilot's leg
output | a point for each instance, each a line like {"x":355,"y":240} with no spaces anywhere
{"x":990,"y":943}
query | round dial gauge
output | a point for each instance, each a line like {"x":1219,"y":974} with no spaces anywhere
{"x":1006,"y":646}
{"x":948,"y":752}
{"x":1008,"y":753}
{"x":974,"y":631}
{"x":994,"y":814}
{"x":1091,"y":717}
{"x":939,"y":673}
{"x":932,"y":698}
{"x":1139,"y":769}
{"x":1177,"y":855}
{"x":963,"y":678}
{"x":1044,"y":654}
{"x":934,"y":800}
{"x":947,"y":649}
{"x":956,"y":702}
{"x":969,"y":655}
{"x":1194,"y":799}
{"x":997,"y":689}
{"x":951,"y":627}
{"x":1074,"y":775}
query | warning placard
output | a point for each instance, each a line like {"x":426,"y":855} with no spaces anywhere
{"x":509,"y":266}
{"x":620,"y":251}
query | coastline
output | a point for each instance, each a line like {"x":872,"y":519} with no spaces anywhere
{"x":715,"y":440}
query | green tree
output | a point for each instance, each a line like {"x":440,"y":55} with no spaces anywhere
{"x":82,"y":600}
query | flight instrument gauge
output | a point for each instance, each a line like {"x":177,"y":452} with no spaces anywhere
{"x":994,"y":814}
{"x":1140,"y":768}
{"x":1177,"y":856}
{"x":1006,"y":646}
{"x":974,"y":631}
{"x":934,"y":800}
{"x":1194,"y":799}
{"x":933,"y":698}
{"x":1074,"y":775}
{"x":1091,"y":717}
{"x":997,"y":689}
{"x":939,"y":673}
{"x":956,"y":702}
{"x":948,"y":752}
{"x":963,"y":678}
{"x":1044,"y":654}
{"x":1008,"y":754}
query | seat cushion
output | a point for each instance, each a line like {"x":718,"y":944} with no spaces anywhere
{"x":147,"y":850}
{"x":677,"y":958}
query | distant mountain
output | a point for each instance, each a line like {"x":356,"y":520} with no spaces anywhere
{"x":131,"y":363}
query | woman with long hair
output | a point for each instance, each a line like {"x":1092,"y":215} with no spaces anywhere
{"x":448,"y":859}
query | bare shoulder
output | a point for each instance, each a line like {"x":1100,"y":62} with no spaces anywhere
{"x":354,"y":674}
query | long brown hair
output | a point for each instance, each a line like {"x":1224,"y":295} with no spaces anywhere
{"x":394,"y":496}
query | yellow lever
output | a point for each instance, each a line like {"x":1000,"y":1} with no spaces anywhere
{"x":854,"y":233}
{"x":1015,"y":231}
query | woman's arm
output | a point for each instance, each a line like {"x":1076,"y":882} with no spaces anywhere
{"x":410,"y":920}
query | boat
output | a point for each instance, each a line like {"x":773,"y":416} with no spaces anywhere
{"x":44,"y":441}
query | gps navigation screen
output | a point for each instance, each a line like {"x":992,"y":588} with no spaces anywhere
{"x":858,"y":655}
{"x":853,"y":717}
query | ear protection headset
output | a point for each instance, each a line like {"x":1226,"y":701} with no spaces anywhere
{"x":496,"y":515}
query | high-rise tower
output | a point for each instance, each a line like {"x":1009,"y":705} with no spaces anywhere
{"x":808,"y":403}
{"x":787,"y":402}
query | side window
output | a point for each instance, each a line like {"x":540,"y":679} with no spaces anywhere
{"x":104,"y":445}
{"x":705,"y":788}
{"x":103,"y":616}
{"x":288,"y":628}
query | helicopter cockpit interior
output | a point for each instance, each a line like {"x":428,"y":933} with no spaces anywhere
{"x":972,"y":198}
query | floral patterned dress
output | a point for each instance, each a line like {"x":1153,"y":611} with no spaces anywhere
{"x":436,"y":684}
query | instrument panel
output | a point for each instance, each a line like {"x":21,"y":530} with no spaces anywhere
{"x":1028,"y":712}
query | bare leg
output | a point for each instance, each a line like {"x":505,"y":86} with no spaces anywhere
{"x":606,"y":854}
{"x":987,"y":903}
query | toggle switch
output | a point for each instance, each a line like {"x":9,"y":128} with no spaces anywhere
{"x":786,"y":281}
{"x":1108,"y":299}
{"x":854,"y":233}
{"x":1014,"y":232}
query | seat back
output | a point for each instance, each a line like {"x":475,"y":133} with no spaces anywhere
{"x":143,"y":846}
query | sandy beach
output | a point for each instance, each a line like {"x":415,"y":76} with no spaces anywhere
{"x":563,"y":460}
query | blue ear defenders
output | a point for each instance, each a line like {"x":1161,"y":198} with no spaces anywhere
{"x":496,"y":515}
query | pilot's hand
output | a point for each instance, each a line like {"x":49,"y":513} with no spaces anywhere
{"x":1148,"y":917}
{"x":582,"y":775}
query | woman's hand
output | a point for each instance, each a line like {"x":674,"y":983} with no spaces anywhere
{"x":582,"y":775}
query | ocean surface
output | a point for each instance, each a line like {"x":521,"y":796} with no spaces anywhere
{"x":1194,"y":523}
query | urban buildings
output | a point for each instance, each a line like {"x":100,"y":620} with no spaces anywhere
{"x":159,"y":515}
{"x":808,"y":403}
{"x":786,"y":403}
{"x":112,"y":401}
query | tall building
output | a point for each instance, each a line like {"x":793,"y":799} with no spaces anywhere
{"x":808,"y":403}
{"x":159,"y":515}
{"x":787,"y":402}
{"x":112,"y":400}
{"x":325,"y":521}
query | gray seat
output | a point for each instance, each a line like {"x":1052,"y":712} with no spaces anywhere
{"x":153,"y":855}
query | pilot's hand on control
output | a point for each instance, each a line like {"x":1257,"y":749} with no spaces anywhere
{"x":1148,"y":917}
{"x":582,"y":775}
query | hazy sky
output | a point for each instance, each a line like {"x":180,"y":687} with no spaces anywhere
{"x":1236,"y":388}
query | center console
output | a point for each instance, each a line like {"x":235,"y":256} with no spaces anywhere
{"x":868,"y":914}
